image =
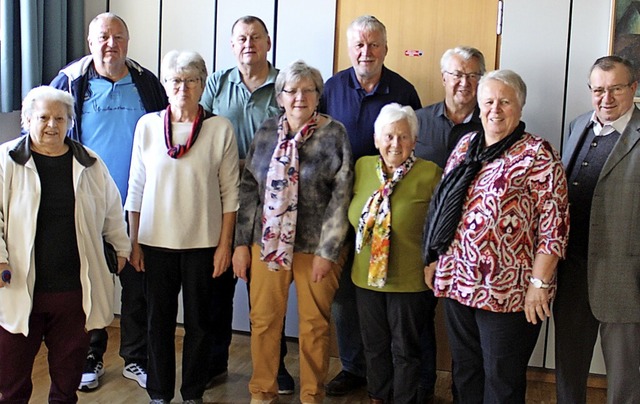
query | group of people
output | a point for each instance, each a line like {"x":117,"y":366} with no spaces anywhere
{"x":374,"y":206}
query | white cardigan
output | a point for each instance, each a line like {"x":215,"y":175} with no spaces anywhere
{"x":98,"y":213}
{"x":181,"y":201}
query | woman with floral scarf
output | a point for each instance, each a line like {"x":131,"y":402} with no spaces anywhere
{"x":390,"y":202}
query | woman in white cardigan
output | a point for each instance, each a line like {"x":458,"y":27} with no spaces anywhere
{"x":182,"y":203}
{"x":58,"y":202}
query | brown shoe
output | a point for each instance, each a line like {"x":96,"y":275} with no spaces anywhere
{"x":375,"y":401}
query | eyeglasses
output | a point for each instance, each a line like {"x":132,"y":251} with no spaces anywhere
{"x":613,"y":90}
{"x":469,"y":76}
{"x":177,"y":82}
{"x":295,"y":91}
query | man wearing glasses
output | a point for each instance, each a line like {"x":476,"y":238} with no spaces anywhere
{"x":599,"y":280}
{"x":442,"y":124}
{"x":111,"y":92}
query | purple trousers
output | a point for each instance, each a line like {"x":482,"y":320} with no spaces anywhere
{"x":57,"y":319}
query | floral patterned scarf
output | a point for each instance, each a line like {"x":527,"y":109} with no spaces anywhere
{"x":374,"y":225}
{"x":280,"y":211}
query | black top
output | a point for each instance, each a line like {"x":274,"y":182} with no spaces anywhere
{"x":57,"y":260}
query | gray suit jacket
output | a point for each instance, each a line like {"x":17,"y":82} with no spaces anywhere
{"x":614,"y":232}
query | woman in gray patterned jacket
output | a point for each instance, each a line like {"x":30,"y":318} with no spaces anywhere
{"x":292,"y":223}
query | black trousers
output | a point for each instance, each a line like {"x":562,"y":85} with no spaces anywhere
{"x":221,"y":312}
{"x":392,"y":325}
{"x":490,"y":353}
{"x":576,"y":331}
{"x":167,"y":272}
{"x":133,"y":321}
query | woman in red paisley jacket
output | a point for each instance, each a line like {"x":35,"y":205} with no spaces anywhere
{"x":497,"y":227}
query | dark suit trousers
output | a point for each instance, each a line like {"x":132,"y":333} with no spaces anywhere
{"x":576,"y":331}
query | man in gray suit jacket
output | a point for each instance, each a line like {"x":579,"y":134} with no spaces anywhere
{"x":599,"y":282}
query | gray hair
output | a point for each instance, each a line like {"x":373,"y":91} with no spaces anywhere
{"x":466,"y":53}
{"x":109,"y":16}
{"x":250,"y":19}
{"x":607,"y":63}
{"x":46,"y":93}
{"x":509,"y":78}
{"x":395,"y":112}
{"x":183,"y":62}
{"x":367,"y":23}
{"x":297,"y":71}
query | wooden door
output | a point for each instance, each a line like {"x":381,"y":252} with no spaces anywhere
{"x":426,"y":26}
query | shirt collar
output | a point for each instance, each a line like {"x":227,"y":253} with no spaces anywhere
{"x":473,"y":115}
{"x":236,"y":77}
{"x":381,"y":88}
{"x":619,"y":124}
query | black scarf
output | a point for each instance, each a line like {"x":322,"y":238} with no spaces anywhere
{"x":445,"y":210}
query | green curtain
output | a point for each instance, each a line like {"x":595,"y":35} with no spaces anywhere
{"x":38,"y":38}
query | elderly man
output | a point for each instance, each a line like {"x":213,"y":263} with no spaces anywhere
{"x":245,"y":95}
{"x":354,"y":97}
{"x":599,"y":282}
{"x":443,"y":123}
{"x":111,"y":92}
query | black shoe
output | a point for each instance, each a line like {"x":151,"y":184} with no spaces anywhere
{"x":218,"y":377}
{"x":344,"y":383}
{"x":425,"y":396}
{"x":285,"y":382}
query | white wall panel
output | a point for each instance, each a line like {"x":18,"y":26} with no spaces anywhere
{"x":589,"y":41}
{"x":228,"y":12}
{"x":189,"y":25}
{"x":534,"y":45}
{"x":143,"y":19}
{"x":309,"y":38}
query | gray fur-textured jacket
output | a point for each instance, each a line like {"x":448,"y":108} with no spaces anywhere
{"x":324,"y":194}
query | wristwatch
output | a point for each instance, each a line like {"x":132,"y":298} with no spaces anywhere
{"x":538,"y":283}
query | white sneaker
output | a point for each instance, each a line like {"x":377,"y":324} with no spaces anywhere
{"x":93,"y":369}
{"x":136,"y":373}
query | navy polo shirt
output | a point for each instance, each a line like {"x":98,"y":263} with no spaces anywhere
{"x":346,"y":101}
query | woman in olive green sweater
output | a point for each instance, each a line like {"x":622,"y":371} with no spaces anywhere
{"x":390,"y":202}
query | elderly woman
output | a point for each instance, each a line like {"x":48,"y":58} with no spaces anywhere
{"x":292,"y":223}
{"x":58,"y":203}
{"x":497,"y":227}
{"x":390,"y":202}
{"x":182,"y":199}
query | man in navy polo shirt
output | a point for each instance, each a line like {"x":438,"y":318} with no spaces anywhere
{"x":354,"y":97}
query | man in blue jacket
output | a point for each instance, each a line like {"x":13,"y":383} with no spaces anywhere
{"x":111,"y":93}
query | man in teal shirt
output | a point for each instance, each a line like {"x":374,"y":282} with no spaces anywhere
{"x":245,"y":95}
